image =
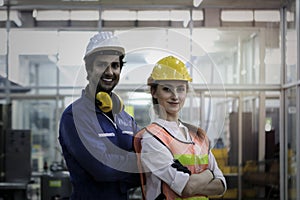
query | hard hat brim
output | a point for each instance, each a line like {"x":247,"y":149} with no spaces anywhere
{"x":151,"y":81}
{"x":115,"y":50}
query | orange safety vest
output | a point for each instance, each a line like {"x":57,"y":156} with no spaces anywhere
{"x":193,"y":155}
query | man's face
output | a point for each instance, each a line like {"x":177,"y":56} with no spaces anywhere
{"x":105,"y":73}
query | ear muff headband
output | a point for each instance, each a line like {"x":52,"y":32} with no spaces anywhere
{"x":118,"y":104}
{"x":108,"y":103}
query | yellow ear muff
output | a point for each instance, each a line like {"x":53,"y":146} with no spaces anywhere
{"x":105,"y":103}
{"x":108,"y":103}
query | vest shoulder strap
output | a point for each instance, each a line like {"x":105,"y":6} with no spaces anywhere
{"x":138,"y":148}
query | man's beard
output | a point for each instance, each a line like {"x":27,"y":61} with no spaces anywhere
{"x":107,"y":89}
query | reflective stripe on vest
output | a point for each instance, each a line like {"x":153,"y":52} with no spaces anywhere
{"x":191,"y":159}
{"x":193,"y":155}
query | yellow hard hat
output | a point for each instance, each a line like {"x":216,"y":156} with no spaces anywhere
{"x":169,"y":68}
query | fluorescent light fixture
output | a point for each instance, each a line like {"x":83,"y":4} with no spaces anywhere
{"x":13,"y":16}
{"x":3,"y":16}
{"x":196,"y":3}
{"x":52,"y":15}
{"x":179,"y":15}
{"x":119,"y":15}
{"x":290,"y":16}
{"x":237,"y":16}
{"x":266,"y":16}
{"x":151,"y":15}
{"x":197,"y":15}
{"x":84,"y":15}
{"x":34,"y":13}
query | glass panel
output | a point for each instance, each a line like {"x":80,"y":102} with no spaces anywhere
{"x":272,"y":52}
{"x":235,"y":54}
{"x":291,"y":132}
{"x":291,"y":59}
{"x":291,"y":44}
{"x":2,"y":65}
{"x":291,"y":56}
{"x":71,"y":68}
{"x":37,"y":70}
{"x":291,"y":104}
{"x":40,"y":117}
{"x":3,"y":52}
{"x":32,"y":57}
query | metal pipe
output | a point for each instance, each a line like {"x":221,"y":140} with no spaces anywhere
{"x":283,"y":129}
{"x":7,"y":82}
{"x":240,"y":145}
{"x":298,"y":98}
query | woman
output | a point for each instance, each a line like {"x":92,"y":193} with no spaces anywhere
{"x":175,"y":156}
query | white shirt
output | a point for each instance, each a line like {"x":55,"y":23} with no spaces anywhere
{"x":157,"y":159}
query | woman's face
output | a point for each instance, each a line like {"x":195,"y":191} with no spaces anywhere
{"x":170,"y":96}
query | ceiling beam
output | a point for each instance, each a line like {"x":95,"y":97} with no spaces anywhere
{"x":143,"y":4}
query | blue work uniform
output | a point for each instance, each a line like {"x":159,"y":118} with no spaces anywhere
{"x":98,"y":151}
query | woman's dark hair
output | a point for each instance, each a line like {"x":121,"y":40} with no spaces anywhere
{"x":153,"y":88}
{"x":91,"y":58}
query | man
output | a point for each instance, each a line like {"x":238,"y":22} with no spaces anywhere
{"x":95,"y":132}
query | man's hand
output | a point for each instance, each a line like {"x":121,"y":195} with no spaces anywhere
{"x":180,"y":167}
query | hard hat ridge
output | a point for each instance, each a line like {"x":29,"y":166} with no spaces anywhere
{"x":104,"y":41}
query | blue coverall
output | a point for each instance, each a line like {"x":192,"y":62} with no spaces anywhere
{"x":98,"y":152}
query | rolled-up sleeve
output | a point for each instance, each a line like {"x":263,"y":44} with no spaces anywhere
{"x":213,"y":166}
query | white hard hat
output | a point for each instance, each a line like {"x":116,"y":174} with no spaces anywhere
{"x":104,"y":41}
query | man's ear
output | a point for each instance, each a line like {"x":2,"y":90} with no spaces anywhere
{"x":88,"y":74}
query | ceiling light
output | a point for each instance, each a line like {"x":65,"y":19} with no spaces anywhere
{"x":121,"y":15}
{"x":237,"y":15}
{"x":52,"y":15}
{"x":84,"y":15}
{"x":34,"y":13}
{"x":150,"y":15}
{"x":266,"y":16}
{"x":197,"y":15}
{"x":1,"y":2}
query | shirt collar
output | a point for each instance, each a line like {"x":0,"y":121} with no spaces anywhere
{"x":174,"y":129}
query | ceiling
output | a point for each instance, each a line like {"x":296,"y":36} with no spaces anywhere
{"x":144,"y":4}
{"x":27,"y":21}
